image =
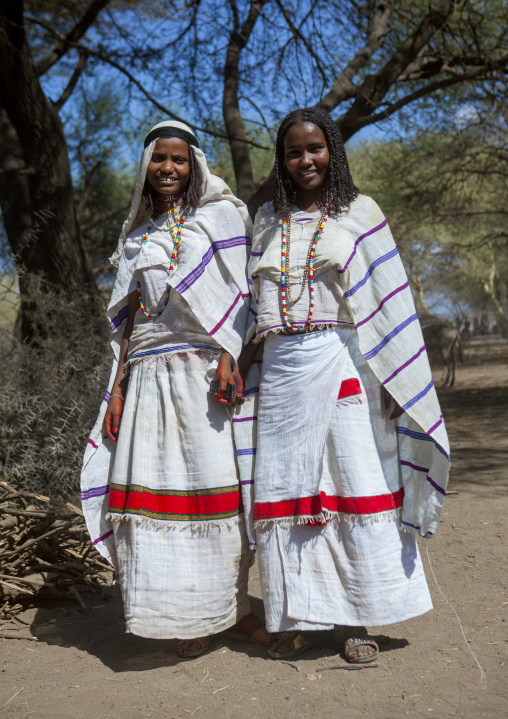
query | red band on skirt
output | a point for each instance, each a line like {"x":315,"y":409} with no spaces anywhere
{"x":313,"y":506}
{"x":216,"y":503}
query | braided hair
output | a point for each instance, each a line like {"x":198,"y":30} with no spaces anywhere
{"x":340,"y":183}
{"x":193,"y":194}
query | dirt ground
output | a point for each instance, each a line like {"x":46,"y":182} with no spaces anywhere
{"x":64,"y":662}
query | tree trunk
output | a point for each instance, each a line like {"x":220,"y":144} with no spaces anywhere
{"x":38,"y":202}
{"x":245,"y":186}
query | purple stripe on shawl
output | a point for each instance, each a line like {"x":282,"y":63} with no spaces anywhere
{"x":221,"y":322}
{"x":253,"y":312}
{"x":256,"y":254}
{"x":413,"y":466}
{"x":247,"y":481}
{"x":435,"y":426}
{"x":244,"y":419}
{"x":392,"y":294}
{"x":252,"y":390}
{"x":117,"y":321}
{"x":90,"y":441}
{"x":379,"y":261}
{"x":419,"y":396}
{"x":403,"y":366}
{"x":104,"y":536}
{"x":173,"y":348}
{"x":408,"y":524}
{"x":243,"y":452}
{"x":94,"y":492}
{"x":373,"y":352}
{"x":302,"y":322}
{"x":426,"y":470}
{"x":196,"y":273}
{"x":436,"y":486}
{"x":362,"y":237}
{"x":423,"y":437}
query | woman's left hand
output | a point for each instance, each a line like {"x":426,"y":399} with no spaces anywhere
{"x":388,"y":399}
{"x":225,"y":376}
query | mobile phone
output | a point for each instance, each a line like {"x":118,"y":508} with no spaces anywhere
{"x":229,"y":393}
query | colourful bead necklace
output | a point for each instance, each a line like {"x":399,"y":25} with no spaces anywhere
{"x":175,"y":227}
{"x":308,"y":273}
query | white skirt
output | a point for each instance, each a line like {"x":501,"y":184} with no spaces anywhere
{"x":354,"y":568}
{"x":174,"y":504}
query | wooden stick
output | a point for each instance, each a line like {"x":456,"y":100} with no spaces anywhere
{"x":349,"y":667}
{"x":13,"y":697}
{"x":78,"y":597}
{"x":31,"y":542}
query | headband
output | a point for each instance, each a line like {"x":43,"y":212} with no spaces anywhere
{"x":168,"y":132}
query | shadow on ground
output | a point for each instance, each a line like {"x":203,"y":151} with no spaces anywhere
{"x":100,"y":631}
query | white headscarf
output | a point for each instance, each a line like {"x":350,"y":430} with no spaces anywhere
{"x":213,"y":188}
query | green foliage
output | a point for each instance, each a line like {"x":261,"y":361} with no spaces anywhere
{"x":444,"y":195}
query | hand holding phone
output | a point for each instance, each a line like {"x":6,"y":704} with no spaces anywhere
{"x":228,"y":394}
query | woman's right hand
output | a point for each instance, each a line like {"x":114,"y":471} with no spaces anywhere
{"x":113,"y":416}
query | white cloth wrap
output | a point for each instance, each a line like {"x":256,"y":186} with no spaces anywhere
{"x":358,"y":568}
{"x":181,"y":576}
{"x":358,"y":248}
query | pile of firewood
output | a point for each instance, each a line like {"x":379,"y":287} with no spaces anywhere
{"x":45,"y":551}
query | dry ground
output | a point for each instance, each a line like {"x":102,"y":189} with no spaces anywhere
{"x":80,"y":664}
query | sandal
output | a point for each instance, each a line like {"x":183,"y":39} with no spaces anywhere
{"x":353,"y":642}
{"x":295,"y":643}
{"x":191,"y":653}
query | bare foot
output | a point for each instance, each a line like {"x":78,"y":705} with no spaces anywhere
{"x":253,"y":626}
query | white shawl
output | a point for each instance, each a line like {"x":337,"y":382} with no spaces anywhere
{"x":359,"y":245}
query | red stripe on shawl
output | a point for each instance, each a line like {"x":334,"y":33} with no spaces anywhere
{"x":349,"y":388}
{"x":178,"y":505}
{"x":312,"y":506}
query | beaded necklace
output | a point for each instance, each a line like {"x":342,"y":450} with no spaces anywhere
{"x":308,"y":273}
{"x":175,"y":227}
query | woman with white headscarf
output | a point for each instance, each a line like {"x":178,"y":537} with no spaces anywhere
{"x":160,"y":486}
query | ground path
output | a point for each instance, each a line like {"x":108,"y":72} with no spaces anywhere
{"x":79,"y":664}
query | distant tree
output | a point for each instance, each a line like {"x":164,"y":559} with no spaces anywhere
{"x":445,"y":196}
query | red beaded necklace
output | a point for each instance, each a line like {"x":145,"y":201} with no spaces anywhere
{"x":308,"y":274}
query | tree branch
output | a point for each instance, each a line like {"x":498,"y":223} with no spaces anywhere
{"x":106,"y":216}
{"x":418,"y":94}
{"x":343,"y":87}
{"x":104,"y":58}
{"x":77,"y":32}
{"x":375,"y":87}
{"x":297,"y":34}
{"x":78,"y":70}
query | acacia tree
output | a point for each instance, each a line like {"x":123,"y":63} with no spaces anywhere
{"x":445,"y":196}
{"x":362,"y":61}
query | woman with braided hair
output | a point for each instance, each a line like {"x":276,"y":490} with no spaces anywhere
{"x":352,"y":456}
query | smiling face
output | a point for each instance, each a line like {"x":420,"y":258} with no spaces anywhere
{"x":169,"y":169}
{"x":307,"y":158}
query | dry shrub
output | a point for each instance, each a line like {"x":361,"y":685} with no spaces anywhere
{"x":50,"y":393}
